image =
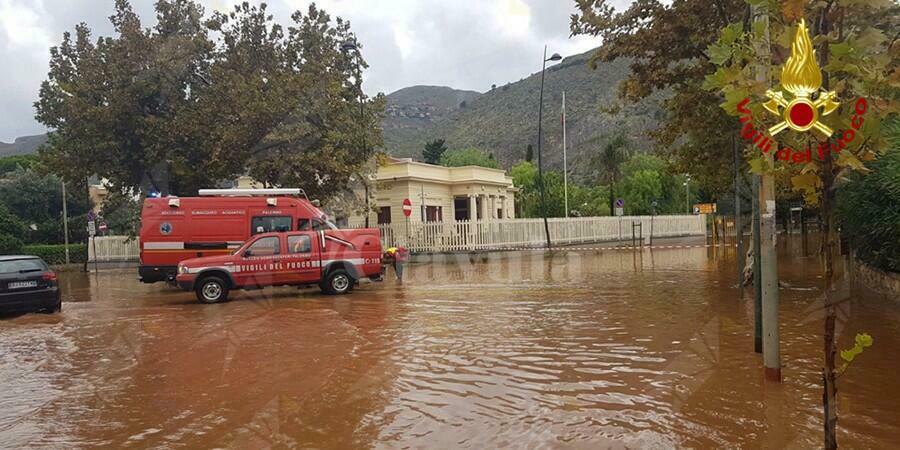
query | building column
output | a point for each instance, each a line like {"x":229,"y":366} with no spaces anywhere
{"x":484,"y":207}
{"x":492,"y":207}
{"x":473,"y":208}
{"x":505,"y":213}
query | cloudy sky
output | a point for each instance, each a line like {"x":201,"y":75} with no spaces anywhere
{"x":465,"y":44}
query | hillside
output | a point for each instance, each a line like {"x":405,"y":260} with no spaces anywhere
{"x":412,"y":110}
{"x":25,"y":145}
{"x":504,"y":120}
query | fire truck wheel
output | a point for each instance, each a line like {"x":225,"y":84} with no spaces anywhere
{"x":338,"y":282}
{"x":212,"y":289}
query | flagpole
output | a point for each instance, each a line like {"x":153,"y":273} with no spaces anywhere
{"x":565,"y":163}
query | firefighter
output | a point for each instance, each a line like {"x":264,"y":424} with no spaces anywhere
{"x":397,"y":256}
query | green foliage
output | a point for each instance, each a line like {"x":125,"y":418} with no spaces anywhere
{"x":862,"y":341}
{"x":11,"y":231}
{"x":529,"y":153}
{"x":869,"y":212}
{"x":36,"y":199}
{"x":10,"y":245}
{"x":607,"y":164}
{"x":468,"y":157}
{"x":190,"y":102}
{"x":12,"y":163}
{"x":433,"y":151}
{"x":122,"y":213}
{"x":56,"y":254}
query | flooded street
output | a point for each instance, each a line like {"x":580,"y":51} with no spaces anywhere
{"x":592,"y":349}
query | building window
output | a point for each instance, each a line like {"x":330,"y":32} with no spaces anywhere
{"x":434,"y":214}
{"x":384,"y":215}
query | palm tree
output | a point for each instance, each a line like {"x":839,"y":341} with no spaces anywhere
{"x":608,"y":164}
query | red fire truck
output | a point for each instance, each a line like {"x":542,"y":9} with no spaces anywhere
{"x":219,"y":221}
{"x":332,"y":259}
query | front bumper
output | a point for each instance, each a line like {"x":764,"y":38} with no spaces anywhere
{"x":30,"y":301}
{"x":186,"y":281}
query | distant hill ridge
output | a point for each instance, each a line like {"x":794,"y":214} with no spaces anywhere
{"x":504,"y":120}
{"x":24,"y":145}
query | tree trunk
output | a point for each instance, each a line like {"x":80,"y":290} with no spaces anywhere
{"x":829,"y":396}
{"x":612,"y":199}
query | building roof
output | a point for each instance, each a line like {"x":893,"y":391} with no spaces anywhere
{"x":407,"y":169}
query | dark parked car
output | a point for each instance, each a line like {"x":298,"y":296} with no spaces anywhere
{"x":27,"y":285}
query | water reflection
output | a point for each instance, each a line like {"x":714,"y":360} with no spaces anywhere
{"x":603,"y":348}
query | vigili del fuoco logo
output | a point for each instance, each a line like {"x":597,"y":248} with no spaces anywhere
{"x":802,"y":108}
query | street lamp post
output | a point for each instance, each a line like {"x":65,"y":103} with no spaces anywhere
{"x":687,"y":194}
{"x":348,"y":47}
{"x":554,"y":57}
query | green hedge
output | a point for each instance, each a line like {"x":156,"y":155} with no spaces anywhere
{"x":869,"y":212}
{"x":56,"y":254}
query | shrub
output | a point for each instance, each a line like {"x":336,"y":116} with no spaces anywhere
{"x":869,"y":213}
{"x":56,"y":254}
{"x":10,"y":245}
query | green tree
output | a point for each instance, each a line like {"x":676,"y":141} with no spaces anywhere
{"x":11,"y":232}
{"x":433,"y":151}
{"x":468,"y":157}
{"x":122,"y":213}
{"x":36,"y":200}
{"x":607,"y":165}
{"x":666,"y":43}
{"x":529,"y":153}
{"x":869,"y":210}
{"x":172,"y":110}
{"x":11,"y":163}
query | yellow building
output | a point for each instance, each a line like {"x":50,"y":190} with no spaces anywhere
{"x":439,"y":193}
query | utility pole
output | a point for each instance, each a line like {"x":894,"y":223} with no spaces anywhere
{"x":65,"y":221}
{"x":565,"y":164}
{"x":555,"y":57}
{"x":768,"y":255}
{"x":738,"y":234}
{"x":757,"y":278}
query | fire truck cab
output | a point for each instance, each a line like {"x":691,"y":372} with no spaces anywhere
{"x":216,"y":223}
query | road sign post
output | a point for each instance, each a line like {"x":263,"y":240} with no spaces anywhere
{"x":407,"y":211}
{"x":92,"y":233}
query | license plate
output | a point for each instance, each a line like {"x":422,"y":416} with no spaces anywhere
{"x":22,"y":284}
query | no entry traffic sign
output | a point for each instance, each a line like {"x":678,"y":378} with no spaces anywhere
{"x":407,"y":207}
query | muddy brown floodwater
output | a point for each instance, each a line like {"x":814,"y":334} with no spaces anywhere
{"x":579,"y":350}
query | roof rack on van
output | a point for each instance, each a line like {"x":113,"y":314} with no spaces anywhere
{"x":251,"y":192}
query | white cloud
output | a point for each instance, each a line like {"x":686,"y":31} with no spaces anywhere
{"x":466,"y":44}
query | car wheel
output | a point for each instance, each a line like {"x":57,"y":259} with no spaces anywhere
{"x":338,"y":282}
{"x":212,"y":290}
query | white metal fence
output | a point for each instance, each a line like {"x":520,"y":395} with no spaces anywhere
{"x":516,"y":233}
{"x":471,"y":236}
{"x":114,"y":249}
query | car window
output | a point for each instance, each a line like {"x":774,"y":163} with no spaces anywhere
{"x":303,"y":225}
{"x":268,"y":224}
{"x":299,"y":244}
{"x":266,"y":246}
{"x":22,"y":265}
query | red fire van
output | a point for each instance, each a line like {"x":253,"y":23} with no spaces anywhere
{"x":217,"y":222}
